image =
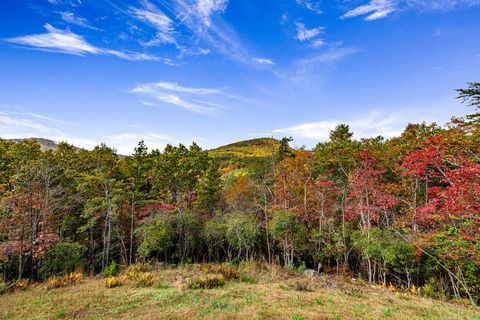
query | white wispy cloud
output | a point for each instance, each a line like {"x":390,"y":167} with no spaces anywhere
{"x":72,"y":3}
{"x":379,"y":9}
{"x":264,"y":61}
{"x":317,"y":43}
{"x":68,"y":42}
{"x":387,"y":122}
{"x":373,"y":10}
{"x":22,"y":125}
{"x":374,"y":124}
{"x":327,"y":57}
{"x":312,"y":5}
{"x":189,"y":98}
{"x":71,"y":18}
{"x":173,"y":86}
{"x":153,"y":16}
{"x":304,"y":33}
{"x":217,"y":35}
{"x":19,"y":124}
{"x":41,"y":117}
{"x":307,"y":71}
{"x":206,"y":8}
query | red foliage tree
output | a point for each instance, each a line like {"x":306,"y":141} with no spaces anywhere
{"x":367,"y":201}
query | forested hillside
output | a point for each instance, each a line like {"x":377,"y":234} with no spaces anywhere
{"x":403,"y":212}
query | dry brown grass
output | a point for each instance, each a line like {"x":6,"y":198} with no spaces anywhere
{"x":272,"y":297}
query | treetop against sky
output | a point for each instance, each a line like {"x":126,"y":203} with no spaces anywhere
{"x":216,"y":71}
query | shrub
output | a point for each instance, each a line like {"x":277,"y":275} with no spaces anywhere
{"x":434,"y":289}
{"x":56,"y":282}
{"x":206,"y":282}
{"x":133,"y":272}
{"x":111,"y":270}
{"x":64,"y":257}
{"x":228,"y":271}
{"x":414,"y":290}
{"x":67,"y":280}
{"x":302,"y":267}
{"x":145,"y":279}
{"x":22,"y":284}
{"x":297,"y":269}
{"x":112,"y":282}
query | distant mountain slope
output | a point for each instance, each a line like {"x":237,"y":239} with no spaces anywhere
{"x":254,"y":148}
{"x":246,"y":149}
{"x":45,"y":144}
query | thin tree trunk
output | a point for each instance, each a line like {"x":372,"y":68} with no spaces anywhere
{"x":132,"y":226}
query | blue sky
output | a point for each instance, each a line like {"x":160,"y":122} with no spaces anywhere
{"x":218,"y":71}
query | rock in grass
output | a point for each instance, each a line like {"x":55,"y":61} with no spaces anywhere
{"x":310,"y":273}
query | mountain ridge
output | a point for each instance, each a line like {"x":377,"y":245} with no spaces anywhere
{"x":250,"y":148}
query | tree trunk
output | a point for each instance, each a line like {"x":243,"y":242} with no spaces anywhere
{"x":132,"y":226}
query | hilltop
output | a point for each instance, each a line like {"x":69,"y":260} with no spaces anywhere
{"x":253,"y":148}
{"x":45,"y":144}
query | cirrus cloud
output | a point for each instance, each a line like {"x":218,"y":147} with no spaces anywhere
{"x":189,"y":98}
{"x":68,"y":42}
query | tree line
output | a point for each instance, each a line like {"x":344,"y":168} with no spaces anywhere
{"x":402,"y":212}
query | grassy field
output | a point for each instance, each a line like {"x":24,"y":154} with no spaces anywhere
{"x":273,"y":295}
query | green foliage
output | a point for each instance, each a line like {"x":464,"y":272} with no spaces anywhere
{"x":386,"y":249}
{"x":458,"y":255}
{"x":187,"y":233}
{"x":284,"y":149}
{"x":471,"y":96}
{"x":432,"y":289}
{"x":111,"y":270}
{"x":65,"y":257}
{"x":242,"y":233}
{"x":177,"y":172}
{"x":155,"y":237}
{"x":209,"y":191}
{"x":248,"y":279}
{"x":215,"y":236}
{"x":335,"y":158}
{"x":301,"y":268}
{"x":290,"y":235}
